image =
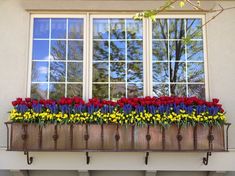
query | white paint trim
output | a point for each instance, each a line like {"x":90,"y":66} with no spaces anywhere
{"x":171,"y":161}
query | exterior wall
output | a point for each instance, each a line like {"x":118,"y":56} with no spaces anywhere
{"x":14,"y":30}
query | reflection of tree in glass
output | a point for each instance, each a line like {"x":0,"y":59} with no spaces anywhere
{"x":37,"y":91}
{"x":58,"y":50}
{"x":100,"y":91}
{"x":117,"y":29}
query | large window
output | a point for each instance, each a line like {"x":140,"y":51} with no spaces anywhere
{"x":110,"y":56}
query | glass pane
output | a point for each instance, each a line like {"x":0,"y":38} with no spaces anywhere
{"x":160,"y":90}
{"x":100,"y":50}
{"x":56,"y":91}
{"x":57,"y":72}
{"x":177,"y":51}
{"x":194,"y":29}
{"x":100,"y":91}
{"x":176,"y":28}
{"x":39,"y":71}
{"x":75,"y":50}
{"x":197,"y":90}
{"x":117,"y":28}
{"x":58,"y":28}
{"x":75,"y":72}
{"x":40,"y":50}
{"x":160,"y":29}
{"x":100,"y":72}
{"x":75,"y":28}
{"x":117,"y":91}
{"x":195,"y":51}
{"x":117,"y":50}
{"x":117,"y":72}
{"x":160,"y":50}
{"x":135,"y":90}
{"x":196,"y":72}
{"x":177,"y":72}
{"x":134,"y":29}
{"x":39,"y":91}
{"x":178,"y":89}
{"x":100,"y":29}
{"x":135,"y":50}
{"x":58,"y":50}
{"x":135,"y":72}
{"x":74,"y":90}
{"x":41,"y":28}
{"x":160,"y":72}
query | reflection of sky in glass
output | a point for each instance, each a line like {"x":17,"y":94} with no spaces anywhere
{"x":134,"y":29}
{"x":100,"y":50}
{"x":40,"y":49}
{"x":176,"y":28}
{"x":58,"y":28}
{"x":135,"y":72}
{"x":100,"y":29}
{"x":75,"y":71}
{"x":195,"y":51}
{"x":117,"y":50}
{"x":117,"y":28}
{"x":75,"y":28}
{"x":193,"y":28}
{"x":41,"y":28}
{"x":39,"y":91}
{"x":39,"y":71}
{"x":117,"y":72}
{"x":135,"y":50}
{"x":160,"y":50}
{"x":57,"y":72}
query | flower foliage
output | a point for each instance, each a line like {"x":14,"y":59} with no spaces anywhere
{"x":163,"y":111}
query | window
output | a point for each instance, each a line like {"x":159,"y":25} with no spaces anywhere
{"x":57,"y":57}
{"x":110,"y":56}
{"x":178,"y":66}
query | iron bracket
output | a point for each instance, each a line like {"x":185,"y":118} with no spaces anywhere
{"x":29,"y":158}
{"x":146,"y":158}
{"x":206,"y":159}
{"x":87,"y":158}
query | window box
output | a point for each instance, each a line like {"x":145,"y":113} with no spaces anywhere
{"x":112,"y":137}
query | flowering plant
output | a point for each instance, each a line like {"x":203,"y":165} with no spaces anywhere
{"x":163,"y":111}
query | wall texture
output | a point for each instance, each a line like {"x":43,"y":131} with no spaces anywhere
{"x":14,"y":44}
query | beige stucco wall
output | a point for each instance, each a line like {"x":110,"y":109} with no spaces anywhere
{"x":14,"y":32}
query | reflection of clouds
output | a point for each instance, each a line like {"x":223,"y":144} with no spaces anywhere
{"x":43,"y":70}
{"x":46,"y":58}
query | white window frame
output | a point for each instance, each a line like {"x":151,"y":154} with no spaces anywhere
{"x":88,"y":48}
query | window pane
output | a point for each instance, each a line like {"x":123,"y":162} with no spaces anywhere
{"x":135,"y":90}
{"x":135,"y":72}
{"x":74,"y":90}
{"x":100,"y":72}
{"x":100,"y":29}
{"x":177,"y":51}
{"x":39,"y":71}
{"x":197,"y":90}
{"x":56,"y":91}
{"x":195,"y":51}
{"x":58,"y":50}
{"x":160,"y":90}
{"x":75,"y":72}
{"x":117,"y":72}
{"x":134,"y":29}
{"x":100,"y":50}
{"x":117,"y":91}
{"x":160,"y":29}
{"x":39,"y":91}
{"x":117,"y":28}
{"x":117,"y":50}
{"x":41,"y":28}
{"x":100,"y":91}
{"x":57,"y":72}
{"x":75,"y":28}
{"x":40,"y":50}
{"x":75,"y":50}
{"x":58,"y":28}
{"x":160,"y":72}
{"x":177,"y":72}
{"x":196,"y":72}
{"x":178,"y":89}
{"x":194,"y":29}
{"x":176,"y":28}
{"x":135,"y":50}
{"x":160,"y":51}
